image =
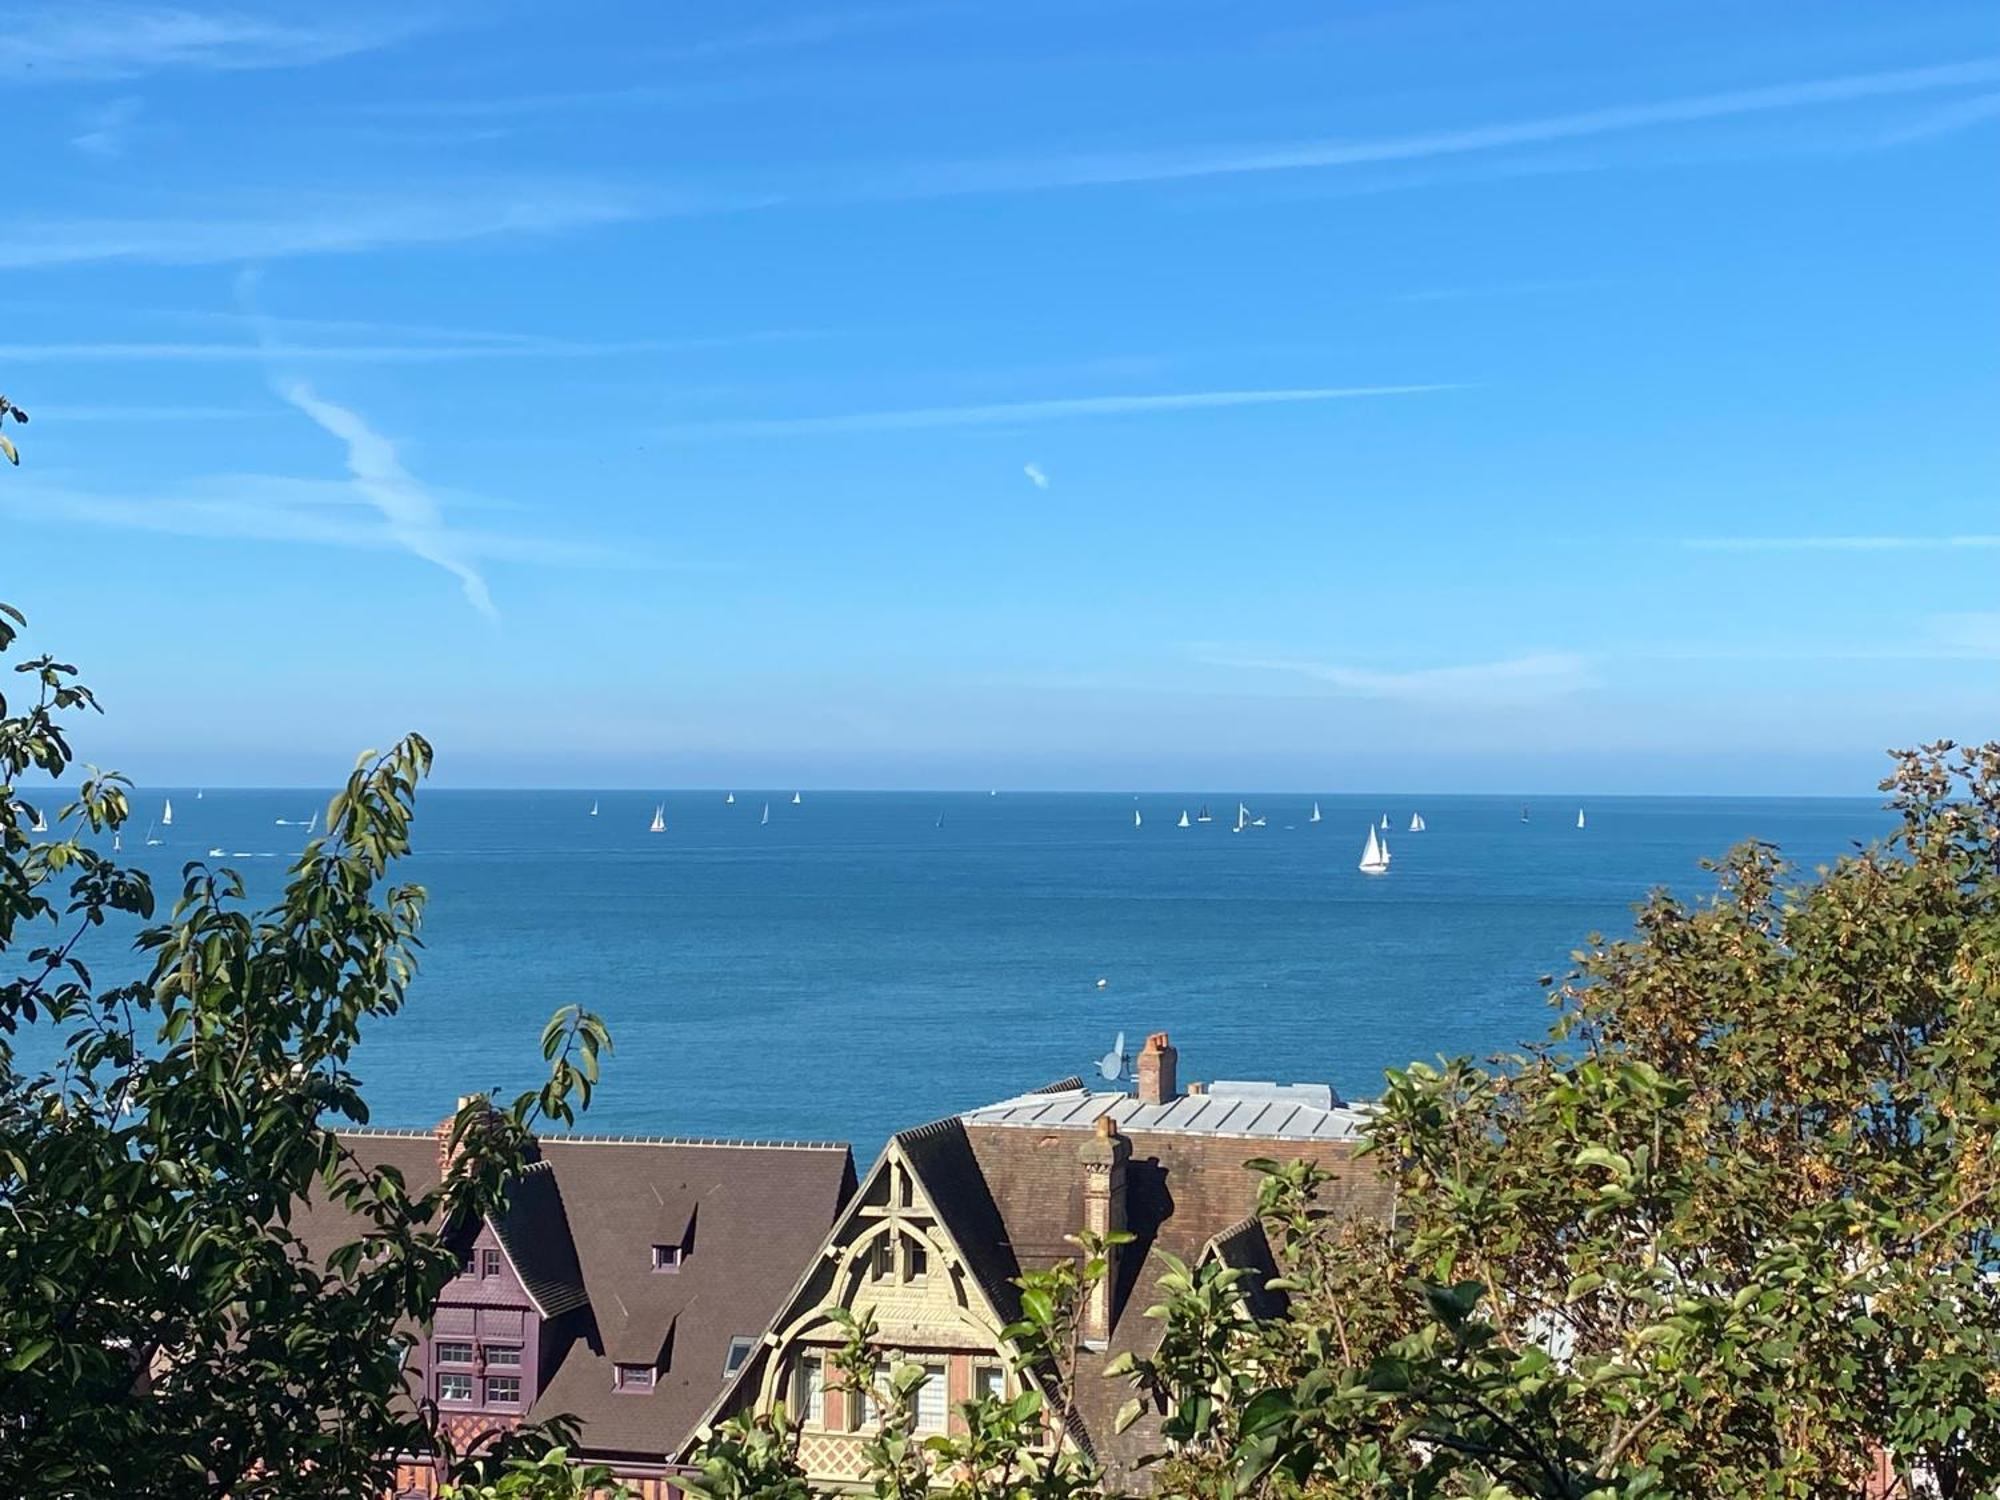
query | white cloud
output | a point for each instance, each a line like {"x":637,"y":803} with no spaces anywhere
{"x":1291,"y":156}
{"x":1838,"y":543}
{"x":1960,"y":115}
{"x":1035,"y":476}
{"x":1975,"y":633}
{"x":412,"y":514}
{"x":108,"y":128}
{"x":1517,"y":680}
{"x":1037,"y":411}
{"x":79,"y":39}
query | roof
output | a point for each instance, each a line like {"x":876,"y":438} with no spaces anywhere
{"x":1267,"y":1111}
{"x":579,"y":1228}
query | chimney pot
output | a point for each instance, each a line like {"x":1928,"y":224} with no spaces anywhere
{"x":1106,"y":1126}
{"x":1158,"y":1080}
{"x":1197,"y":1088}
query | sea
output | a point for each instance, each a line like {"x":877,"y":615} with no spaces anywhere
{"x":860,"y":963}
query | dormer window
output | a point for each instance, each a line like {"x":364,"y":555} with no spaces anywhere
{"x":667,"y":1257}
{"x":489,"y":1264}
{"x":739,"y":1350}
{"x":634,"y":1378}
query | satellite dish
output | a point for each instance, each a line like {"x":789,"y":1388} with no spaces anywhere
{"x":1112,"y":1064}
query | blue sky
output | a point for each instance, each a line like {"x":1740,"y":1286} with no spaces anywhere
{"x":1441,"y":396}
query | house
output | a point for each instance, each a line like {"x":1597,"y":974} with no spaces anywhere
{"x":954,"y":1210}
{"x":623,"y":1284}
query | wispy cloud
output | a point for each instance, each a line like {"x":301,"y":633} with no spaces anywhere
{"x":1516,"y":680}
{"x":1886,"y":543}
{"x":412,"y":515}
{"x":107,"y":130}
{"x":203,"y":352}
{"x":1035,"y":476}
{"x":1975,"y":633}
{"x":1022,"y":412}
{"x":1292,"y":156}
{"x":1952,"y":118}
{"x":335,"y":224}
{"x":79,"y":39}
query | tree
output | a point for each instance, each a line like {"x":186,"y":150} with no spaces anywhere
{"x":161,"y":1330}
{"x":1731,"y":1232}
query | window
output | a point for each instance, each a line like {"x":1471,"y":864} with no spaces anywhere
{"x":930,"y":1400}
{"x":454,"y":1387}
{"x":454,"y":1353}
{"x":503,"y":1390}
{"x":666,"y":1257}
{"x":489,"y":1263}
{"x":988,"y":1383}
{"x":504,"y":1354}
{"x":871,"y":1414}
{"x":635,"y":1378}
{"x":739,"y":1350}
{"x":809,"y":1391}
{"x":881,"y":1258}
{"x":916,"y":1261}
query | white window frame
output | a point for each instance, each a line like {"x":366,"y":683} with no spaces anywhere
{"x":937,"y":1415}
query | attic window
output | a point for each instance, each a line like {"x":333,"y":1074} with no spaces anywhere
{"x":739,"y":1350}
{"x":637,"y":1378}
{"x":666,"y":1257}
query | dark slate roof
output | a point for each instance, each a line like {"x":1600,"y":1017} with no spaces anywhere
{"x":750,"y":1216}
{"x":1243,"y":1247}
{"x":534,"y":1230}
{"x":942,"y":1157}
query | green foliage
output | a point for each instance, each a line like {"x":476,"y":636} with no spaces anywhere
{"x":161,"y":1330}
{"x":551,"y":1476}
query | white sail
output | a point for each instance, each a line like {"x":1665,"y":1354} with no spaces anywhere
{"x":1315,"y":817}
{"x":312,"y":823}
{"x":1242,"y":817}
{"x":1579,"y":817}
{"x":1137,"y":821}
{"x":167,"y":817}
{"x":1184,"y":819}
{"x":1385,"y":820}
{"x":197,"y":794}
{"x":730,"y":800}
{"x":593,"y":807}
{"x":41,"y":822}
{"x":796,"y":799}
{"x":1375,"y":857}
{"x":117,"y":843}
{"x":1416,"y":822}
{"x":767,"y":815}
{"x":659,"y":824}
{"x":150,"y":840}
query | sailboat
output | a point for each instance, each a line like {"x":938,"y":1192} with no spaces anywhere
{"x":1137,"y":821}
{"x":593,"y":807}
{"x":1184,"y":819}
{"x":659,"y":824}
{"x":1416,"y":822}
{"x":41,"y":822}
{"x":312,"y":823}
{"x":1385,"y":820}
{"x":1375,"y":858}
{"x":117,"y":843}
{"x":730,"y":800}
{"x":767,"y":815}
{"x":1524,"y":812}
{"x":197,"y":794}
{"x":1242,"y":818}
{"x":940,"y":821}
{"x":1202,"y":816}
{"x":167,"y":816}
{"x":150,"y":840}
{"x":1579,"y":817}
{"x":1315,"y":817}
{"x":796,"y":799}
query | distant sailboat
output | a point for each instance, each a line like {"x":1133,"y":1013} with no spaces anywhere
{"x":41,"y":822}
{"x":150,"y":840}
{"x":312,"y":823}
{"x":218,"y":852}
{"x":1524,"y":813}
{"x":1416,"y":822}
{"x":1202,"y":816}
{"x":1375,"y":858}
{"x":117,"y":843}
{"x":1184,"y":819}
{"x":1137,"y":821}
{"x":730,"y":800}
{"x":1315,"y":817}
{"x":940,"y":821}
{"x":593,"y":807}
{"x":1242,"y":818}
{"x":167,"y":816}
{"x":767,"y":815}
{"x":1385,"y":820}
{"x":796,"y":799}
{"x":1579,"y":817}
{"x":659,"y":824}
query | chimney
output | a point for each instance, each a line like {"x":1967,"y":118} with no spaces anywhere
{"x":1157,"y":1081}
{"x":448,"y":1149}
{"x":1104,"y":1156}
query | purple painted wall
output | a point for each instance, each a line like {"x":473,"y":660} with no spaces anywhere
{"x":488,"y":1309}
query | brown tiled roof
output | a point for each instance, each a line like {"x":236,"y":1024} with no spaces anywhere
{"x":585,"y":1218}
{"x":1184,"y":1191}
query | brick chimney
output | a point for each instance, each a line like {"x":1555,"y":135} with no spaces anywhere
{"x":1104,"y":1156}
{"x":1158,"y":1083}
{"x":447,"y":1148}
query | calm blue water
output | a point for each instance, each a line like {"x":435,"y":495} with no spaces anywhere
{"x":855,"y":968}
